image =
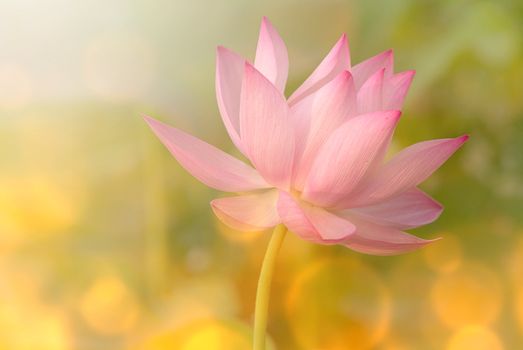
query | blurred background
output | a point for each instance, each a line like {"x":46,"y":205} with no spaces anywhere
{"x":107,"y":243}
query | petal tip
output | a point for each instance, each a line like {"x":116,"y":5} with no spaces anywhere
{"x":394,"y":115}
{"x":438,"y":209}
{"x":151,"y":121}
{"x":344,"y":76}
{"x":464,"y":138}
{"x":265,"y":22}
{"x":433,"y":240}
{"x":343,"y":41}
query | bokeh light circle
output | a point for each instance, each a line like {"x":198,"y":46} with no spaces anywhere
{"x":109,"y":306}
{"x":33,"y":207}
{"x":201,"y":334}
{"x":470,"y":295}
{"x":474,"y":338}
{"x":338,"y":304}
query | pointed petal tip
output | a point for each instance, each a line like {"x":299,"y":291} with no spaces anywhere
{"x":394,"y":114}
{"x":222,"y":50}
{"x":380,"y":74}
{"x":464,"y":138}
{"x":151,"y":121}
{"x":265,"y":22}
{"x":344,"y":76}
{"x":342,"y":41}
{"x":459,"y":141}
{"x":406,"y":76}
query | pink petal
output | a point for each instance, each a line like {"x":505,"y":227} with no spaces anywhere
{"x":409,"y":209}
{"x":312,"y":223}
{"x":251,"y":212}
{"x":271,"y":55}
{"x":337,"y":60}
{"x":266,"y":129}
{"x":345,"y":158}
{"x":375,"y":239}
{"x":370,"y":96}
{"x":396,"y":88}
{"x":229,"y":76}
{"x":407,"y":169}
{"x":208,"y":164}
{"x":331,"y":106}
{"x":364,"y":70}
{"x":300,"y":119}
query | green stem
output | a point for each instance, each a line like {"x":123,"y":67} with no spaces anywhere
{"x":264,"y":287}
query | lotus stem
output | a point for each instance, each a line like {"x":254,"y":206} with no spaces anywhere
{"x":264,"y":287}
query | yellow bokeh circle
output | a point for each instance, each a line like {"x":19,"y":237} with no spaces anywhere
{"x":471,"y":294}
{"x":203,"y":334}
{"x":338,"y":304}
{"x":518,"y":306}
{"x":474,"y":338}
{"x":109,"y":306}
{"x":32,"y":207}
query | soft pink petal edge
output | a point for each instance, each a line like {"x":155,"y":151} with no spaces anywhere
{"x":372,"y":238}
{"x":207,"y":163}
{"x":271,"y":55}
{"x":229,"y":75}
{"x":344,"y":159}
{"x":337,"y":60}
{"x":265,"y":128}
{"x":410,"y":209}
{"x":312,"y":223}
{"x":249,"y":212}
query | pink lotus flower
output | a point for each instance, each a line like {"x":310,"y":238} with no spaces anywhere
{"x":317,"y":157}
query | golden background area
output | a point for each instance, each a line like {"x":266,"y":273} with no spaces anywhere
{"x":107,"y":243}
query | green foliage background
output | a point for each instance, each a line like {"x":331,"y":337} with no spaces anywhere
{"x":106,"y":243}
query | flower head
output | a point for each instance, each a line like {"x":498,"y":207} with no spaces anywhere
{"x":317,"y":157}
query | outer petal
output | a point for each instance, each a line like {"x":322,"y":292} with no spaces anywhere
{"x":312,"y":223}
{"x":375,"y":239}
{"x":271,"y":55}
{"x":331,"y":106}
{"x":407,"y":169}
{"x":337,"y":60}
{"x":409,"y":209}
{"x":208,"y":164}
{"x":345,"y":158}
{"x":396,"y":88}
{"x":370,"y":96}
{"x":251,"y":212}
{"x":229,"y":76}
{"x":266,"y":129}
{"x":363,"y":71}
